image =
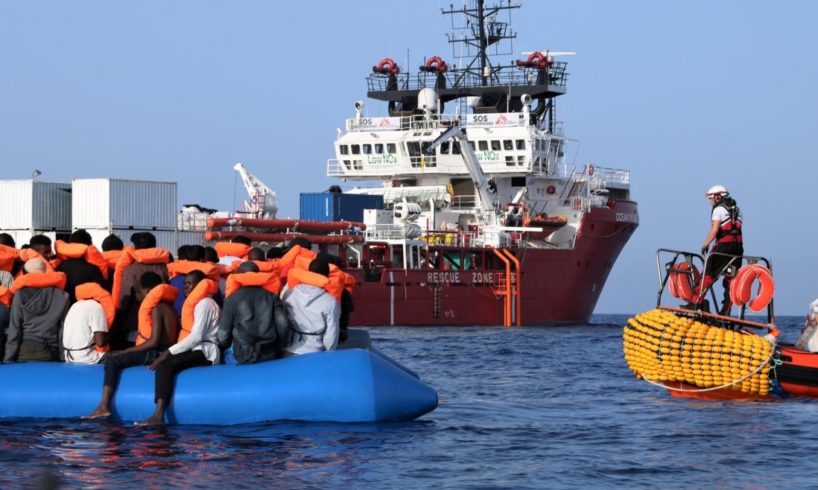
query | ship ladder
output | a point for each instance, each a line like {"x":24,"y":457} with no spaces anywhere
{"x":509,"y":287}
{"x":436,"y":290}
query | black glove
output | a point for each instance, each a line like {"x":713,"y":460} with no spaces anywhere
{"x":704,"y":250}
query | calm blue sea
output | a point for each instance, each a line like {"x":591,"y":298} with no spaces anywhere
{"x":519,"y":408}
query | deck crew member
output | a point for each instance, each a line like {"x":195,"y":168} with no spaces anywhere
{"x":197,"y":345}
{"x":725,"y":233}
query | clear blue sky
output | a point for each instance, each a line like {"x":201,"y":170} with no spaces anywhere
{"x":683,"y":94}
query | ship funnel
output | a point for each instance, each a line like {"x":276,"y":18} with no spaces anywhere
{"x":427,"y":100}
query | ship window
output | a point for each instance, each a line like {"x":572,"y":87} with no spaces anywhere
{"x":367,"y":149}
{"x":483,"y":145}
{"x":495,"y":145}
{"x":390,"y":148}
{"x":444,"y":148}
{"x":518,"y":182}
{"x":358,"y":164}
{"x":521,"y":144}
{"x":471,"y":143}
{"x":413,"y":150}
{"x":379,"y":148}
{"x":347,"y":164}
{"x":520,"y":159}
{"x":509,"y":160}
{"x":356,"y":149}
{"x":538,"y":144}
{"x":427,"y":160}
{"x":508,"y":145}
{"x":455,"y":148}
{"x":344,"y":150}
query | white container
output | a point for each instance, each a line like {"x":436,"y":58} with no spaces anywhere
{"x":167,"y":239}
{"x":374,"y":217}
{"x":123,"y":204}
{"x":34,"y":205}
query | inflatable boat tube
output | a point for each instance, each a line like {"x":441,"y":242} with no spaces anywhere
{"x":351,"y":385}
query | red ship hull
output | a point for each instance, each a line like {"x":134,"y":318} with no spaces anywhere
{"x":556,"y":286}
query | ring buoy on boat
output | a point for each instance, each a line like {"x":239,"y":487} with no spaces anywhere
{"x":535,"y":60}
{"x":386,"y":66}
{"x":683,"y":280}
{"x":741,"y":288}
{"x":435,"y":63}
{"x":551,"y":189}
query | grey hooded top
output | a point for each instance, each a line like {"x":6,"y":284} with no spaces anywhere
{"x":36,"y":315}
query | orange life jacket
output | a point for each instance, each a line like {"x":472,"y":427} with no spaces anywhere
{"x":112,"y":257}
{"x":93,"y":291}
{"x":205,"y":289}
{"x":267,"y":281}
{"x":39,"y":280}
{"x":5,"y":296}
{"x":184,"y":267}
{"x":345,"y":280}
{"x":163,"y":293}
{"x":129,"y":256}
{"x":89,"y":253}
{"x":224,"y":249}
{"x":288,"y":261}
{"x":8,"y":255}
{"x":263,"y":265}
{"x":298,"y":276}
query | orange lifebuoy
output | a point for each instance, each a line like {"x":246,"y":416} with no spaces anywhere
{"x":387,"y":66}
{"x":551,"y":189}
{"x":435,"y":63}
{"x":680,"y":283}
{"x":741,"y":288}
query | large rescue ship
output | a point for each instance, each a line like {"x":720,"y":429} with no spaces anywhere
{"x":484,"y":221}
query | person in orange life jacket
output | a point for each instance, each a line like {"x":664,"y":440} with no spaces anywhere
{"x":347,"y":306}
{"x":314,"y":314}
{"x":211,"y":255}
{"x":229,"y":259}
{"x":199,"y":348}
{"x":42,"y":245}
{"x":183,"y":253}
{"x":85,"y":330}
{"x":275,"y":253}
{"x":37,"y":312}
{"x":725,"y":233}
{"x":158,"y":329}
{"x":6,"y":281}
{"x":78,"y":270}
{"x":124,"y":332}
{"x":14,"y":263}
{"x":112,"y":249}
{"x":254,"y":320}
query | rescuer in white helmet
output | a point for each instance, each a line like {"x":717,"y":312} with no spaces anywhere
{"x":725,"y":234}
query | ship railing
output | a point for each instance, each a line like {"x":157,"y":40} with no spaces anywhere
{"x":192,"y":221}
{"x":555,"y":76}
{"x":335,"y":168}
{"x":382,"y":232}
{"x":436,"y":121}
{"x":613,"y":176}
{"x":463,"y":202}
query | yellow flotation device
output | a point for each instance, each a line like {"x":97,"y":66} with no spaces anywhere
{"x":663,"y":347}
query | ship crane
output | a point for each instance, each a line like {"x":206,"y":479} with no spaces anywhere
{"x":488,"y":199}
{"x":263,"y":201}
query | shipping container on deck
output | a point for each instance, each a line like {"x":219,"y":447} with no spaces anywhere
{"x":124,"y":204}
{"x":334,"y":206}
{"x":168,"y":239}
{"x":34,"y":205}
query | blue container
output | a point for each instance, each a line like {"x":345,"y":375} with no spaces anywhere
{"x":332,"y":206}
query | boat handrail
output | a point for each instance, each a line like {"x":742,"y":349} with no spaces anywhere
{"x":557,"y":78}
{"x":420,"y":122}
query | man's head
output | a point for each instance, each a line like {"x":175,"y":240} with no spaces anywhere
{"x":330,"y":258}
{"x":256,"y":253}
{"x":192,"y":279}
{"x":275,"y":253}
{"x":182,"y":252}
{"x":147,"y":281}
{"x":319,"y":266}
{"x":112,"y":242}
{"x":300,"y":241}
{"x":42,"y":244}
{"x":80,"y":236}
{"x":242,"y":239}
{"x":211,"y":255}
{"x":247,"y":267}
{"x":143,"y":239}
{"x":716,"y":193}
{"x":34,"y":266}
{"x":7,"y":240}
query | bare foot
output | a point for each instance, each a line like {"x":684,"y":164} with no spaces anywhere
{"x":98,"y":413}
{"x":151,"y":421}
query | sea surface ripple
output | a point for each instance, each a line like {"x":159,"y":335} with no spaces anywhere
{"x":552,"y":407}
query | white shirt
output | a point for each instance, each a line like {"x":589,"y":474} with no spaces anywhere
{"x":204,"y":335}
{"x":84,"y":319}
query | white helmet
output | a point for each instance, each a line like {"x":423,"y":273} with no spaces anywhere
{"x":717,"y":190}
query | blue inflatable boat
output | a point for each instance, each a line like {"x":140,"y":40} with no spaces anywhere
{"x":349,"y":385}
